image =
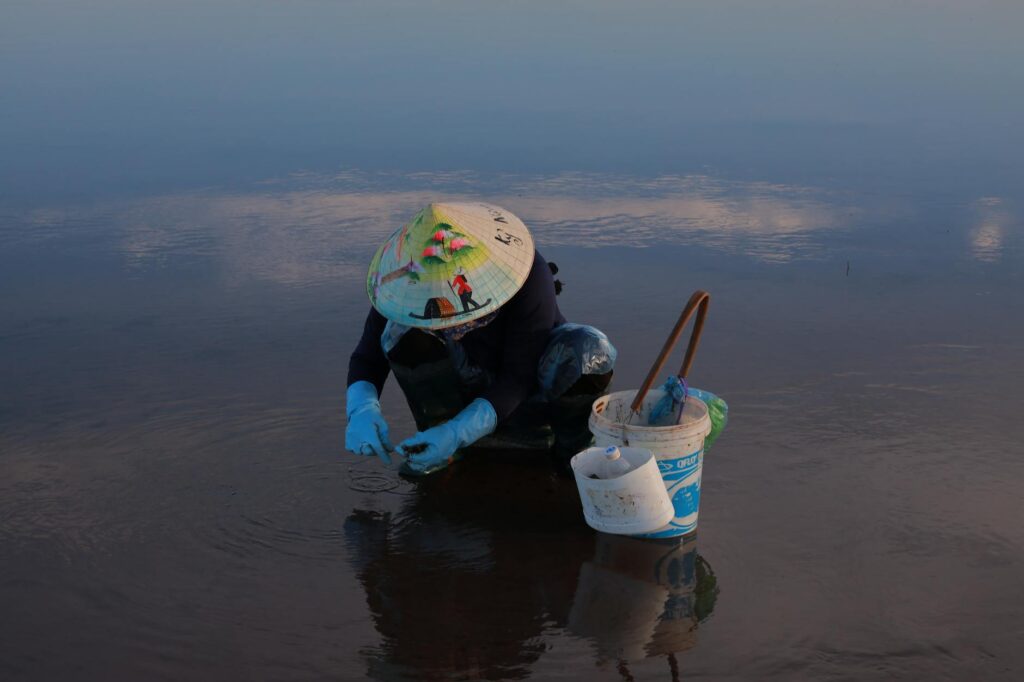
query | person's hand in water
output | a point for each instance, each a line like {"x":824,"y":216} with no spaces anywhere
{"x":434,"y":449}
{"x":367,"y":431}
{"x":429,"y":450}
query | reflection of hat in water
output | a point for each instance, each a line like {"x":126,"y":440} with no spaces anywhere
{"x":411,"y":276}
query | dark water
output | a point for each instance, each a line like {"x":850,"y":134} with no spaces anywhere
{"x":189,"y":195}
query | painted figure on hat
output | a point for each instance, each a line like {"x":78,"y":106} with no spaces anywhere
{"x":465,"y":292}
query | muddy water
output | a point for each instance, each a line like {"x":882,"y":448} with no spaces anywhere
{"x":181,"y":280}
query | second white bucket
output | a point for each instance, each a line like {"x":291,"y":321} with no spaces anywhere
{"x":628,"y":504}
{"x":679,"y":449}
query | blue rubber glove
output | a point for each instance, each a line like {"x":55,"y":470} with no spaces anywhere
{"x":367,"y":432}
{"x":441,"y":442}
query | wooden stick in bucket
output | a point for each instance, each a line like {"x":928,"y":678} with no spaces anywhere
{"x":699,"y":302}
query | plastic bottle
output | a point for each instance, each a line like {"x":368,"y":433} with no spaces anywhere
{"x":613,"y":464}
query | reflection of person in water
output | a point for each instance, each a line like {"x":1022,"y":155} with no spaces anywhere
{"x":470,"y":596}
{"x":465,"y":595}
{"x":463,"y":290}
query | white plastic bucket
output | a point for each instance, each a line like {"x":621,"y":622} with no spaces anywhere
{"x":679,"y":449}
{"x":632,"y":503}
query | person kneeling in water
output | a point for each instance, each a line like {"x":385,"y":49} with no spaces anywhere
{"x":508,"y":370}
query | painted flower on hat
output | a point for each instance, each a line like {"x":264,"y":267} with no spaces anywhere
{"x":444,"y":244}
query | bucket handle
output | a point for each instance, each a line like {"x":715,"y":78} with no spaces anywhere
{"x":698,"y":302}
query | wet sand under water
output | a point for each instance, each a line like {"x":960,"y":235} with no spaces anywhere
{"x":175,"y":502}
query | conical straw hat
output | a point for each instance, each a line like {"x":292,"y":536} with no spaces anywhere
{"x":480,"y":251}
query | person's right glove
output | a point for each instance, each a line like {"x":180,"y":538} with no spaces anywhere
{"x":367,"y":432}
{"x":434,"y":449}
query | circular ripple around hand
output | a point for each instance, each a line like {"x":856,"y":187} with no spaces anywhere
{"x":369,"y":482}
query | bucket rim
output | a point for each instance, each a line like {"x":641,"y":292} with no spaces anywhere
{"x":599,"y":416}
{"x":649,"y":462}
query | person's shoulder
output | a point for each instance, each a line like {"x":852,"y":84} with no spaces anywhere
{"x":539,"y":262}
{"x":540,"y":270}
{"x":539,"y":283}
{"x":375,"y":318}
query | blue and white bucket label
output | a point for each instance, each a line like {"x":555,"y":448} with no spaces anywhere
{"x":682,"y":480}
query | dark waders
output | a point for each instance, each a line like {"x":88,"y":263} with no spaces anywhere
{"x":438,"y":382}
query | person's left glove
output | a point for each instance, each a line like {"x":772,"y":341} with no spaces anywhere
{"x":367,"y":432}
{"x":432,"y":450}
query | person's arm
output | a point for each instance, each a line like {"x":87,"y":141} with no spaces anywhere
{"x":367,"y":431}
{"x":368,"y":362}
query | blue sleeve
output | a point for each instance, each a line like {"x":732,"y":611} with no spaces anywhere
{"x":368,"y":362}
{"x":528,"y":319}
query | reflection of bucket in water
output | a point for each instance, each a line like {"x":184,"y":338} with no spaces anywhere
{"x":639,"y":599}
{"x":679,"y":448}
{"x":617,"y":612}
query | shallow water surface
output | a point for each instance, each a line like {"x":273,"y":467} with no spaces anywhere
{"x":176,"y":502}
{"x":182,"y":269}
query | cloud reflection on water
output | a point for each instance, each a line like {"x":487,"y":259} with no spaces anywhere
{"x":313,"y":229}
{"x":988,"y":235}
